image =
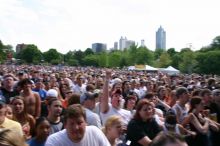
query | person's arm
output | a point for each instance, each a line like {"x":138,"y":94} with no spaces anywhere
{"x":166,"y":106}
{"x":104,"y":107}
{"x":213,"y":125}
{"x":201,"y":128}
{"x":185,"y":131}
{"x":38,"y":105}
{"x":145,"y":141}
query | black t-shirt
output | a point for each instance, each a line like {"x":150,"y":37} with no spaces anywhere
{"x":137,"y":129}
{"x":8,"y":94}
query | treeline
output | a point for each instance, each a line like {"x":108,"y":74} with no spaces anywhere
{"x":206,"y":60}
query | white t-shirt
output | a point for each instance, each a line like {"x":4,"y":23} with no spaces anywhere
{"x":93,"y":118}
{"x":93,"y":137}
{"x":125,"y":114}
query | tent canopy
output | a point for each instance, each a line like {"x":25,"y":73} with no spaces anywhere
{"x":142,"y":67}
{"x":171,"y":70}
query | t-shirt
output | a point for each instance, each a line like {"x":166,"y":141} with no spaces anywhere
{"x":34,"y":142}
{"x":125,"y":114}
{"x":93,"y":137}
{"x":10,"y":124}
{"x":55,"y":127}
{"x":93,"y":118}
{"x":137,"y":129}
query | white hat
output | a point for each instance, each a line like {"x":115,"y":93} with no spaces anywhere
{"x":52,"y":93}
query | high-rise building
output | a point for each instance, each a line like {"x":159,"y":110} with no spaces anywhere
{"x":161,"y":38}
{"x":115,"y":45}
{"x":99,"y":47}
{"x":122,"y":43}
{"x":142,"y":43}
{"x":125,"y":43}
{"x":20,"y":47}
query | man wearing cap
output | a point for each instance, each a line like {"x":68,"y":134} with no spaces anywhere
{"x":88,"y":101}
{"x":115,"y":107}
{"x":7,"y":90}
{"x":7,"y":123}
{"x":52,"y":93}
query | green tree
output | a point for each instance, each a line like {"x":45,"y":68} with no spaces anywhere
{"x":171,"y":52}
{"x":52,"y":54}
{"x":164,"y":60}
{"x":216,"y":43}
{"x":88,"y":51}
{"x":208,"y":62}
{"x":188,"y":61}
{"x":157,"y":53}
{"x":143,"y":56}
{"x":90,"y":60}
{"x":114,"y":59}
{"x":31,"y":54}
{"x":79,"y":55}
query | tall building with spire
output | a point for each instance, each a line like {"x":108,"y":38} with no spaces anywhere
{"x":161,"y":38}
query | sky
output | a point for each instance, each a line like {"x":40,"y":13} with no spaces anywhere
{"x":76,"y":24}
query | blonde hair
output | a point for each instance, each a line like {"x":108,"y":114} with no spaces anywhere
{"x":112,"y":120}
{"x":10,"y":137}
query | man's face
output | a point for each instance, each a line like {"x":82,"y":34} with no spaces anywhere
{"x":56,"y":108}
{"x":75,"y":128}
{"x":9,"y":82}
{"x":116,"y":100}
{"x":207,"y":98}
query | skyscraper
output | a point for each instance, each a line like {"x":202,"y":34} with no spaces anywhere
{"x":99,"y":47}
{"x":125,"y":43}
{"x":161,"y":38}
{"x":115,"y":45}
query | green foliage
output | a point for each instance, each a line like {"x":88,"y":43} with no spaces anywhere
{"x":164,"y":60}
{"x":187,"y":62}
{"x":171,"y":52}
{"x":114,"y":59}
{"x":31,"y":54}
{"x":157,"y":53}
{"x":216,"y":43}
{"x":208,"y":62}
{"x":52,"y":54}
{"x":90,"y":60}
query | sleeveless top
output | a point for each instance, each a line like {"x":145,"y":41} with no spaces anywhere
{"x":200,"y":139}
{"x":177,"y":130}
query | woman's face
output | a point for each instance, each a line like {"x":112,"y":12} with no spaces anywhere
{"x":200,"y":106}
{"x":18,"y":106}
{"x":131,"y":103}
{"x":146,"y":112}
{"x":43,"y":129}
{"x":115,"y":130}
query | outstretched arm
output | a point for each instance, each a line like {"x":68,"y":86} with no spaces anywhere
{"x":105,"y":98}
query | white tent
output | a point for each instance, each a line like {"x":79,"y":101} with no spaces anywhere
{"x":171,"y":70}
{"x":150,"y":68}
{"x":131,"y":68}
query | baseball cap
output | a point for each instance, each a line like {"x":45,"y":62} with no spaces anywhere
{"x":88,"y":95}
{"x":52,"y":93}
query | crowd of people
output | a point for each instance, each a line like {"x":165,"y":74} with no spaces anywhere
{"x":87,"y":106}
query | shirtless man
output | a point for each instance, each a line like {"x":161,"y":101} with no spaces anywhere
{"x":32,"y":99}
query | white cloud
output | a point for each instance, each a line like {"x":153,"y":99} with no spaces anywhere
{"x":70,"y":24}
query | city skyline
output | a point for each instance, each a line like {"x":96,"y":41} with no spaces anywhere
{"x":71,"y":25}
